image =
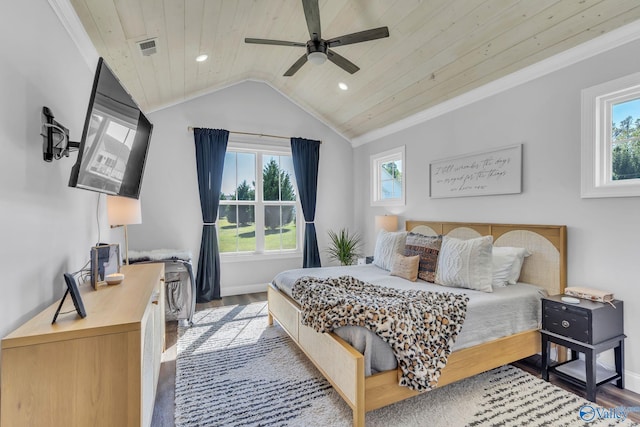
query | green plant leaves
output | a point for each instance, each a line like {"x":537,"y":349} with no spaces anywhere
{"x":344,"y":247}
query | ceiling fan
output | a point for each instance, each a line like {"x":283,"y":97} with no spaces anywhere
{"x":317,"y":48}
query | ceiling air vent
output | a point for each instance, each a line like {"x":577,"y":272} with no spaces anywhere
{"x":148,"y":47}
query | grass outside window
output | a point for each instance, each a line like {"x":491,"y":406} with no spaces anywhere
{"x":244,"y":236}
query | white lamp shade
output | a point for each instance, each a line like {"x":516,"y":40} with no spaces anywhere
{"x":123,"y":210}
{"x":386,"y":222}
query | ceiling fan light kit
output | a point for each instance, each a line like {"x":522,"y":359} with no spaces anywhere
{"x":317,"y":48}
{"x":317,"y":58}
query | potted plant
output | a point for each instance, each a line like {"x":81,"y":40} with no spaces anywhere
{"x":344,"y":247}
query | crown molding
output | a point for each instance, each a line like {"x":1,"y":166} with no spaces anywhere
{"x":69,"y":19}
{"x":598,"y":45}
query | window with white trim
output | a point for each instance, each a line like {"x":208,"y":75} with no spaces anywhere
{"x":387,"y":178}
{"x":611,"y":138}
{"x":258,"y":210}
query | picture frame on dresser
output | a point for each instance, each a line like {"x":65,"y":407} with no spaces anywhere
{"x":72,"y":288}
{"x":105,"y":260}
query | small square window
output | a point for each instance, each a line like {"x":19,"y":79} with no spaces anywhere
{"x":611,"y":138}
{"x":625,"y":140}
{"x":387,"y":178}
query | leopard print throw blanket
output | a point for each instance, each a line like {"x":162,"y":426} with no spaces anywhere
{"x":420,"y":326}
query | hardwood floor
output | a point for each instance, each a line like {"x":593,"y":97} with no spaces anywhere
{"x":609,"y":396}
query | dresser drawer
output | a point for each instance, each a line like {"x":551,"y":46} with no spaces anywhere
{"x":568,"y":321}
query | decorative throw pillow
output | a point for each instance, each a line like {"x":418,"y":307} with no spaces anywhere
{"x":428,"y":247}
{"x":466,"y":263}
{"x":387,"y":245}
{"x":406,"y":267}
{"x":518,"y":255}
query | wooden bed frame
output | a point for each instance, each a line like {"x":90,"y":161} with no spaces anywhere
{"x":343,"y":366}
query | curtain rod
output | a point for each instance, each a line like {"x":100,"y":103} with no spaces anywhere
{"x":190,"y":129}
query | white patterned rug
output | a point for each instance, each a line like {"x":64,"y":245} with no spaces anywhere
{"x":234,"y":370}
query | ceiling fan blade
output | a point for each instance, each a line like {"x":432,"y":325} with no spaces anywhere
{"x":312,"y":14}
{"x":296,"y":66}
{"x":342,"y":62}
{"x":274,"y":42}
{"x":362,"y":36}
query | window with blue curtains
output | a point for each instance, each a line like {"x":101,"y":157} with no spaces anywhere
{"x":211,"y":145}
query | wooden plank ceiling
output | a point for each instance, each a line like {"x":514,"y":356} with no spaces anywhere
{"x":437,"y":49}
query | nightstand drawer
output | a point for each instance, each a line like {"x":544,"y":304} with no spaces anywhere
{"x":567,"y":321}
{"x":589,"y":322}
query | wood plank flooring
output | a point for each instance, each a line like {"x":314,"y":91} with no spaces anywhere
{"x":609,"y":396}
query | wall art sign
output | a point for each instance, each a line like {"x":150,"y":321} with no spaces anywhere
{"x":497,"y":171}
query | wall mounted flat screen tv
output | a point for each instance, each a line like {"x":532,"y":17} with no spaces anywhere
{"x":115,"y":140}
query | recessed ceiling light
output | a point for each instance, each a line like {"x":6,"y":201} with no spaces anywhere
{"x":201,"y":58}
{"x":343,"y":86}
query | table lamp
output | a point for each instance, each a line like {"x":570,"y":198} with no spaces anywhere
{"x":386,"y":222}
{"x":122,"y":211}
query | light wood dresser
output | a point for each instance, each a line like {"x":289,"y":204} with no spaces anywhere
{"x":98,"y":371}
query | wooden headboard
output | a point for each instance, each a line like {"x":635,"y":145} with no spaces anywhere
{"x":547,"y":265}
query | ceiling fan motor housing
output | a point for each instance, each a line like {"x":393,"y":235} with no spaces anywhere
{"x":317,"y":46}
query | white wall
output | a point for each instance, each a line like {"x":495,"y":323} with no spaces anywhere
{"x":46,"y":228}
{"x":171,"y":216}
{"x":544,"y":115}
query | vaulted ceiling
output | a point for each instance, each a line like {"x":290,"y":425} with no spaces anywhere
{"x":437,"y":49}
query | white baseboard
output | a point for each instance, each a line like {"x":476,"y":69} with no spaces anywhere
{"x":243,"y":289}
{"x":631,"y":379}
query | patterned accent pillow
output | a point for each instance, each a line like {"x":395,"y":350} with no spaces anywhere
{"x":428,"y":247}
{"x":466,"y":263}
{"x":388,"y":244}
{"x":406,"y":267}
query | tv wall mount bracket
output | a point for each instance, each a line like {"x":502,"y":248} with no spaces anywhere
{"x":55,"y":136}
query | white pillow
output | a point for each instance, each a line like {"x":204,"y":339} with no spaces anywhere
{"x":502,"y":264}
{"x":466,"y":263}
{"x":388,"y":244}
{"x":518,"y":255}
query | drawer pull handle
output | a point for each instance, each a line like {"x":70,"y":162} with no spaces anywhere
{"x":564,"y":307}
{"x":565,"y":324}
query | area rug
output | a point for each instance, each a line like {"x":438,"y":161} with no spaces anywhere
{"x":232,"y":369}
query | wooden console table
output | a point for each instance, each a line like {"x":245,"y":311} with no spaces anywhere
{"x":98,"y":371}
